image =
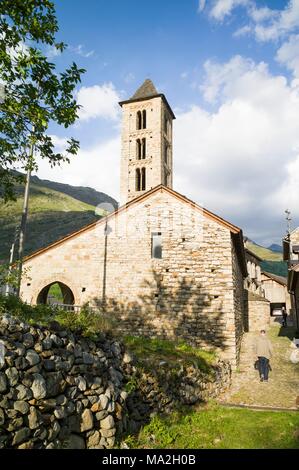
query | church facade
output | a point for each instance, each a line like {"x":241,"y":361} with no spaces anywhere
{"x":160,"y":265}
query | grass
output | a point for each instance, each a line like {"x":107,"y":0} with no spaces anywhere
{"x":151,"y":352}
{"x":216,"y":427}
{"x":264,"y":253}
{"x":52,"y":215}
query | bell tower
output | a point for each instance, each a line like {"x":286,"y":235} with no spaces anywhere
{"x":146,"y":142}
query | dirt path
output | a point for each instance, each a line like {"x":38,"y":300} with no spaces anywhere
{"x":283,"y":386}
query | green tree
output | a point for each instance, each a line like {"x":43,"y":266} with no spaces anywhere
{"x":33,"y":94}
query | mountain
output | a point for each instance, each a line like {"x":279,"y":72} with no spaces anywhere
{"x":272,"y":259}
{"x":276,"y":248}
{"x":55,"y":210}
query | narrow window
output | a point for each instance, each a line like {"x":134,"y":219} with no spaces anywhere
{"x":157,"y":245}
{"x":138,"y":120}
{"x":143,"y":181}
{"x":143,"y":148}
{"x":138,"y":149}
{"x":138,"y":180}
{"x":144,"y":119}
{"x":165,"y":124}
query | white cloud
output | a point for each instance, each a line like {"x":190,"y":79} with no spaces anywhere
{"x":98,"y":102}
{"x":222,"y":8}
{"x":288,"y":54}
{"x":52,"y":52}
{"x":201,"y":5}
{"x":80,"y":50}
{"x":93,"y":166}
{"x":129,"y":77}
{"x":242,"y":160}
{"x":267,"y":24}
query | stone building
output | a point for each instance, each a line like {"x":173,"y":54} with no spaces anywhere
{"x":257,"y":305}
{"x":276,"y":291}
{"x":291,"y":255}
{"x":160,"y":264}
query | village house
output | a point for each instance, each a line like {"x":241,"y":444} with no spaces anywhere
{"x":291,"y":255}
{"x":161,"y":264}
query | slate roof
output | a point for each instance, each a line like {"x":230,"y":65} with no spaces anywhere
{"x":146,"y":90}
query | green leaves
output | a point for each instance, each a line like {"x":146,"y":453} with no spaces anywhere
{"x":35,"y":94}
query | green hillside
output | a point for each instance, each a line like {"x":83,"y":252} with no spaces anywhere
{"x":264,"y":253}
{"x":52,"y":215}
{"x":272,"y":260}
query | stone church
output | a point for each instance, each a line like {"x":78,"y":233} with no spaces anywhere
{"x":161,"y":265}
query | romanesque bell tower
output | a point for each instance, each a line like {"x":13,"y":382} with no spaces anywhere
{"x":146,"y":154}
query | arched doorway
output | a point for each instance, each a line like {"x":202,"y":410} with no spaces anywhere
{"x":56,"y":293}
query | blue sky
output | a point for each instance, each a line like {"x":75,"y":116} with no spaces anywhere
{"x":229,"y":69}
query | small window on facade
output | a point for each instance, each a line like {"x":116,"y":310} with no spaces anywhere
{"x":157,"y":245}
{"x":138,"y":180}
{"x":144,"y":119}
{"x":143,"y":153}
{"x":143,"y":179}
{"x":138,"y":120}
{"x":138,"y":149}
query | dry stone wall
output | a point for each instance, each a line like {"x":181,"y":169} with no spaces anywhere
{"x":59,"y":390}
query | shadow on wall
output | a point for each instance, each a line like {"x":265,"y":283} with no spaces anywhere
{"x":184,"y":311}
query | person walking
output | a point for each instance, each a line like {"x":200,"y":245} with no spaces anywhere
{"x":284,"y":316}
{"x":264,"y":351}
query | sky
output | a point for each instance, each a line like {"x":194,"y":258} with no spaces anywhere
{"x":230,"y":71}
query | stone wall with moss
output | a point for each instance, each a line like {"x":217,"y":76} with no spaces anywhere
{"x":61,"y":390}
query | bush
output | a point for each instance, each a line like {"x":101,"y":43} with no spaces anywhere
{"x":86,"y":322}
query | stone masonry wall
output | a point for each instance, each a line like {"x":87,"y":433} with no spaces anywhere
{"x":238,"y":323}
{"x":59,"y":390}
{"x":154,"y":135}
{"x":258,"y":309}
{"x":189,"y":293}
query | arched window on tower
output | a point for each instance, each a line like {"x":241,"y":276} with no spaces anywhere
{"x":144,"y":119}
{"x":138,"y":180}
{"x":143,"y":147}
{"x":143,"y":179}
{"x":138,"y":149}
{"x":139,"y":120}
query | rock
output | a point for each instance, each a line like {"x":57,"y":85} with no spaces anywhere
{"x":40,"y":434}
{"x":28,"y":340}
{"x":127,"y":358}
{"x":108,"y":432}
{"x":55,"y":384}
{"x":21,"y":406}
{"x":21,"y":363}
{"x":49,"y":365}
{"x":75,"y":442}
{"x":81,"y":383}
{"x":39,"y":388}
{"x":12,"y":375}
{"x":107,"y":423}
{"x":110,"y":442}
{"x":15,"y":424}
{"x":20,"y":436}
{"x":3,"y":382}
{"x":101,"y":415}
{"x":54,"y":431}
{"x":2,"y":417}
{"x":23,"y":393}
{"x":86,"y":421}
{"x":87,"y":358}
{"x":26,"y":445}
{"x":103,"y":399}
{"x":34,"y":418}
{"x":56,"y":340}
{"x":59,"y":412}
{"x":94,"y":439}
{"x":32,"y":357}
{"x":47,"y":343}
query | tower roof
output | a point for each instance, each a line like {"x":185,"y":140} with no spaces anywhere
{"x":145,"y":92}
